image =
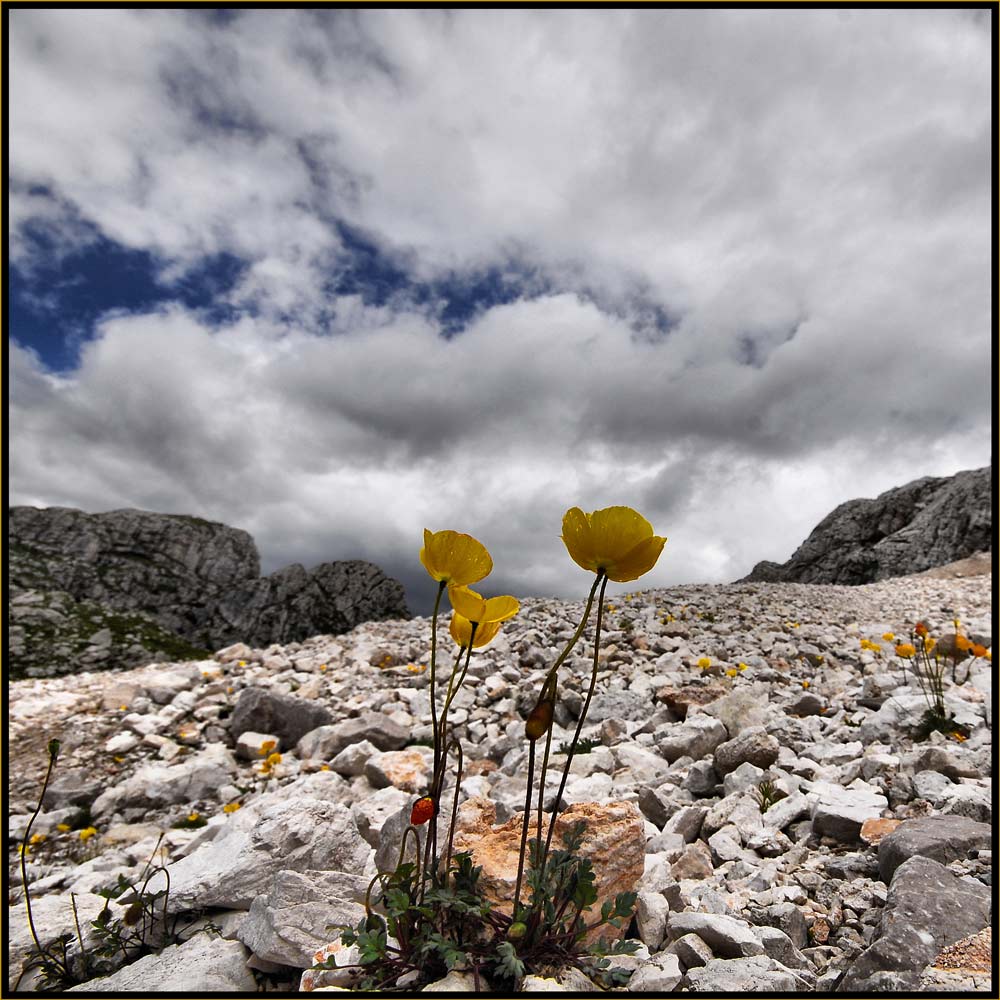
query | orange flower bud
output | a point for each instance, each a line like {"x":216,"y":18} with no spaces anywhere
{"x":422,"y":811}
{"x":920,"y":628}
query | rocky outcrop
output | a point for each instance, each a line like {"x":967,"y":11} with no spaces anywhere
{"x":123,"y":587}
{"x":926,"y":523}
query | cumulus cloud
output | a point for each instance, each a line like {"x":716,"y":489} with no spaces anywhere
{"x":744,"y":260}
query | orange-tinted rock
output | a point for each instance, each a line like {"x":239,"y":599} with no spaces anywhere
{"x":613,"y":841}
{"x":679,"y":699}
{"x":820,"y":931}
{"x":873,"y":830}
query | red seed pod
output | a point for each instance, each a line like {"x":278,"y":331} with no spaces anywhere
{"x":422,"y":811}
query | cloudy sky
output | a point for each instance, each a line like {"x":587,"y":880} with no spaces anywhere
{"x":336,"y":276}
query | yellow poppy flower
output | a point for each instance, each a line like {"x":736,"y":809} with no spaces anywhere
{"x":477,"y":608}
{"x":905,"y":650}
{"x":451,"y":557}
{"x":962,"y":643}
{"x":461,"y":631}
{"x":616,"y":540}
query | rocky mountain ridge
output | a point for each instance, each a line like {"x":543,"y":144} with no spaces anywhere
{"x":120,"y":588}
{"x":926,"y":523}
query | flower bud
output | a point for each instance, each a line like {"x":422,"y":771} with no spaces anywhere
{"x":516,"y":931}
{"x":540,"y":719}
{"x":422,"y":811}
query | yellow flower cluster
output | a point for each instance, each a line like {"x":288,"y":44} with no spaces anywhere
{"x":230,"y":807}
{"x":456,"y":560}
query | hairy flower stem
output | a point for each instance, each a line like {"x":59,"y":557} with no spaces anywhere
{"x":53,"y":754}
{"x":434,"y":726}
{"x":579,"y":725}
{"x":524,"y":829}
{"x":441,"y":740}
{"x":454,"y":806}
{"x":574,"y":639}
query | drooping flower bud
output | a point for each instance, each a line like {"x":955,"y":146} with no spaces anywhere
{"x":422,"y":811}
{"x":540,"y":719}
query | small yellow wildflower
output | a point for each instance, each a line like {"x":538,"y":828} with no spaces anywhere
{"x":889,"y":636}
{"x":37,"y":838}
{"x":981,"y":651}
{"x":454,"y":558}
{"x":266,"y":747}
{"x":274,"y":758}
{"x":905,"y":650}
{"x":230,"y":807}
{"x":322,"y":668}
{"x":617,"y":541}
{"x":805,"y":684}
{"x":123,"y":708}
{"x":87,"y":833}
{"x":742,"y":666}
{"x":929,"y":644}
{"x":242,"y":663}
{"x":63,"y":827}
{"x":958,"y":737}
{"x":732,"y":672}
{"x":704,"y":662}
{"x":962,"y":643}
{"x":192,"y":817}
{"x":324,"y":767}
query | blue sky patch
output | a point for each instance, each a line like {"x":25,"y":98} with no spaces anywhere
{"x":55,"y":305}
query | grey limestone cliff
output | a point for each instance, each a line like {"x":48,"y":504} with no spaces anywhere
{"x":926,"y":523}
{"x":112,"y":589}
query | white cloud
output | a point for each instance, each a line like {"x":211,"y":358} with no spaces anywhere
{"x":805,"y":193}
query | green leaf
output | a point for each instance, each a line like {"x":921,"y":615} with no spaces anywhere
{"x":510,"y":965}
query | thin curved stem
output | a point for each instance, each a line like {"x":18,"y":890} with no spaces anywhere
{"x":583,"y":715}
{"x":434,"y":619}
{"x":575,"y":638}
{"x":442,"y":741}
{"x":454,"y":806}
{"x":24,"y":851}
{"x":524,"y":829}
